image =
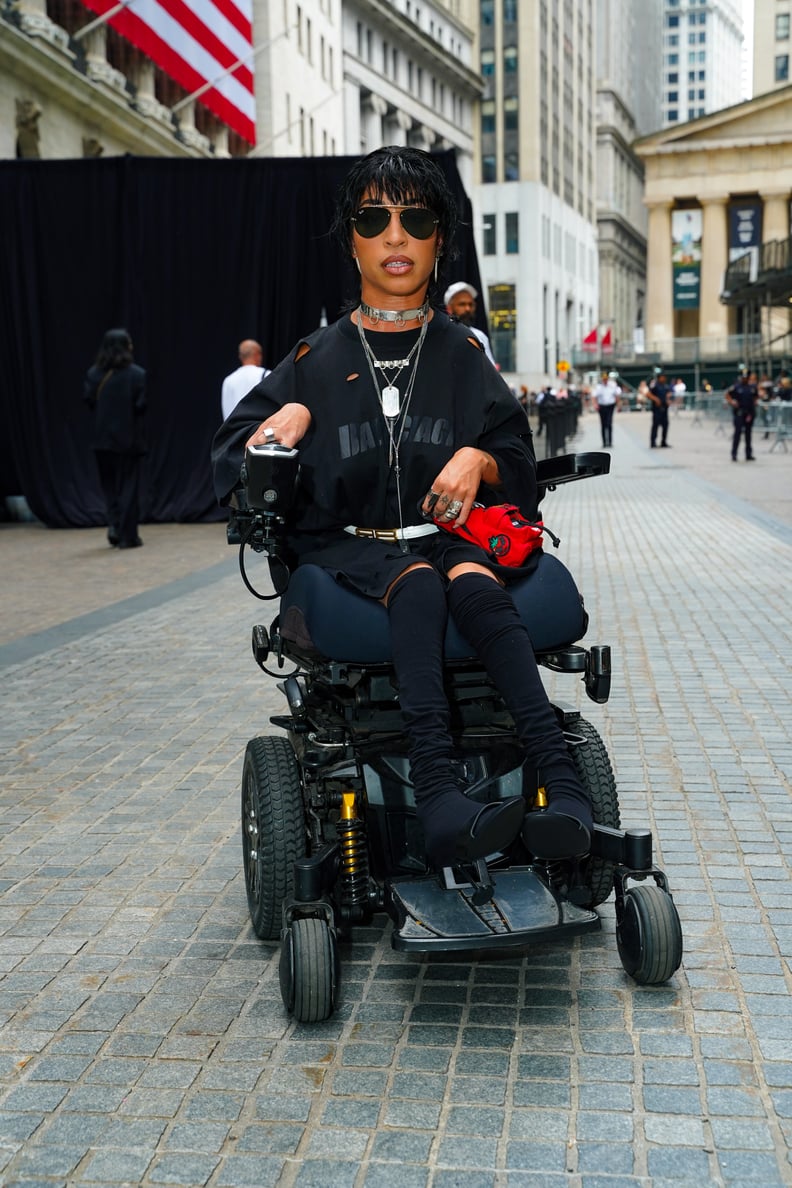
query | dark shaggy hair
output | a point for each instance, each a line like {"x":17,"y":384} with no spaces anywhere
{"x":115,"y":351}
{"x":403,"y":176}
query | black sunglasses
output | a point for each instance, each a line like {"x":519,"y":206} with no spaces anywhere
{"x":417,"y":221}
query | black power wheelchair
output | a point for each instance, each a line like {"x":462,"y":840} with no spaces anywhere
{"x":329,"y":832}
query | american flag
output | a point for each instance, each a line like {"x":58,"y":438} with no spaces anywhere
{"x":197,"y":42}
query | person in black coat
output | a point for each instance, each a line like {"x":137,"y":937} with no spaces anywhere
{"x":115,"y":387}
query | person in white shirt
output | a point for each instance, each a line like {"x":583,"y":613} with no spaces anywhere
{"x":607,"y":396}
{"x":239,"y":382}
{"x":680,"y":391}
{"x":460,"y":303}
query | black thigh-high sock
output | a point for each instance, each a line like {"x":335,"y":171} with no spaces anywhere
{"x":454,"y":826}
{"x":488,"y":619}
{"x":418,"y":614}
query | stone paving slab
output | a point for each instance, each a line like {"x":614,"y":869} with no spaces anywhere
{"x":142,"y":1036}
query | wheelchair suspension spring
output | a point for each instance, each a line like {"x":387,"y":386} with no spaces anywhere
{"x":354,"y":853}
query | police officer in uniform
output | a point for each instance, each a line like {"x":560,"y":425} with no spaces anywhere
{"x":743,"y":396}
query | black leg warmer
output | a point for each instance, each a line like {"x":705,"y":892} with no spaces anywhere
{"x":454,"y":826}
{"x":488,"y":619}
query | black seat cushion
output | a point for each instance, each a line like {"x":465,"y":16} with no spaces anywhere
{"x":321,"y":617}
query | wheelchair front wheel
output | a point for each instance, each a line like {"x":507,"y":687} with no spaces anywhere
{"x":309,"y":969}
{"x":596,"y":774}
{"x":273,"y":830}
{"x":648,"y":934}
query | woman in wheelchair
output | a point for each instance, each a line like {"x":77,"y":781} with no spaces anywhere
{"x":402,"y":425}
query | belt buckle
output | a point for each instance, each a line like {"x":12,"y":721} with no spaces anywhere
{"x":390,"y":534}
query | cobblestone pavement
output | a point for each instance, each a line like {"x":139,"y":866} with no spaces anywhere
{"x":142,"y":1036}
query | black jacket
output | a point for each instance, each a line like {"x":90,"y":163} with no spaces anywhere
{"x":119,"y":399}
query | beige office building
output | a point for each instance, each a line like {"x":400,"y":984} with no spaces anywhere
{"x":772,"y":45}
{"x":718,"y":193}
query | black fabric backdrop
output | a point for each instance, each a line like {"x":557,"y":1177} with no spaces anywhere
{"x":191,"y":257}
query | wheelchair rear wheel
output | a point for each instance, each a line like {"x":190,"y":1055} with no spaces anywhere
{"x":649,"y":934}
{"x":309,"y":969}
{"x":273,"y":830}
{"x":596,"y":774}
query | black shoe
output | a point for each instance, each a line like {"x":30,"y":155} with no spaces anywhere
{"x":664,"y":445}
{"x":733,"y":458}
{"x":472,"y":830}
{"x":130,"y":544}
{"x":750,"y":458}
{"x":652,"y":445}
{"x":549,"y":836}
{"x":112,"y":537}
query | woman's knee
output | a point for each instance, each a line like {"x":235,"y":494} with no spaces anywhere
{"x":457,"y":571}
{"x":419,"y":565}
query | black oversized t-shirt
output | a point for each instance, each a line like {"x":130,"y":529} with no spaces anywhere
{"x":458,"y":399}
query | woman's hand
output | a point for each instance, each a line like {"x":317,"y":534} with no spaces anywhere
{"x":287,"y":426}
{"x":453,"y":492}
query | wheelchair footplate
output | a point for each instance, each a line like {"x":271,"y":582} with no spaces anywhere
{"x":515,"y":909}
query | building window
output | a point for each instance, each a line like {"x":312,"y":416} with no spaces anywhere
{"x":782,"y":26}
{"x":487,"y":116}
{"x":510,"y":59}
{"x":673,"y":115}
{"x":510,"y":115}
{"x":503,"y":325}
{"x":490,"y":234}
{"x":782,"y":68}
{"x":487,"y":11}
{"x":511,"y":167}
{"x":672,"y":97}
{"x":510,"y":10}
{"x":672,"y":22}
{"x":512,"y":233}
{"x":673,"y":77}
{"x":488,"y":171}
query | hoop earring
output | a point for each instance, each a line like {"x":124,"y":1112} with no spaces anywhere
{"x":437,"y":260}
{"x":357,"y":263}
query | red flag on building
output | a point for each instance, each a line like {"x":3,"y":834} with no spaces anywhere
{"x":197,"y":42}
{"x":590,"y":341}
{"x":606,"y":342}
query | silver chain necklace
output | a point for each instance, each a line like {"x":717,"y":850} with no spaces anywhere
{"x":390,"y":396}
{"x":392,"y":418}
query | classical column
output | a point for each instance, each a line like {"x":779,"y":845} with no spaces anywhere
{"x":713,"y":315}
{"x":374,"y":108}
{"x":422,"y":137}
{"x":397,"y":126}
{"x":659,"y":276}
{"x":775,"y":216}
{"x":775,"y":225}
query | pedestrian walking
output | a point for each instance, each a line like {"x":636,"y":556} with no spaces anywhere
{"x":607,"y":397}
{"x":115,"y":388}
{"x":660,"y":393}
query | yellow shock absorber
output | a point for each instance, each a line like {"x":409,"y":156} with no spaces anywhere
{"x":540,"y":800}
{"x":354,"y":851}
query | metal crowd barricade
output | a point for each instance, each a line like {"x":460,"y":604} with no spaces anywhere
{"x":779,"y":422}
{"x":711,"y":406}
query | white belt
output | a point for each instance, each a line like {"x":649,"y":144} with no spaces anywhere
{"x":408,"y":533}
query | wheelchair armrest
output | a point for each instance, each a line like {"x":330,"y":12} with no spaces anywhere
{"x":568,"y":468}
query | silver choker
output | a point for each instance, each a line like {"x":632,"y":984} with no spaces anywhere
{"x":399,"y":316}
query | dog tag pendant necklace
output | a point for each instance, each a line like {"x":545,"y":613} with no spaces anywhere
{"x":390,"y":401}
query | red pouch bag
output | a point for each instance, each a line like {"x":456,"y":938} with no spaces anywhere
{"x":502,"y":531}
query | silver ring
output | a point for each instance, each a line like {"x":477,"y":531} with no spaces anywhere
{"x":268,"y":433}
{"x":453,"y":509}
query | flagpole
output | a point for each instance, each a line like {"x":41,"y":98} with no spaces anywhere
{"x":207,"y":86}
{"x":101,"y":20}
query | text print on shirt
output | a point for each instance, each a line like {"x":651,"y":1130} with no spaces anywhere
{"x":357,"y":437}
